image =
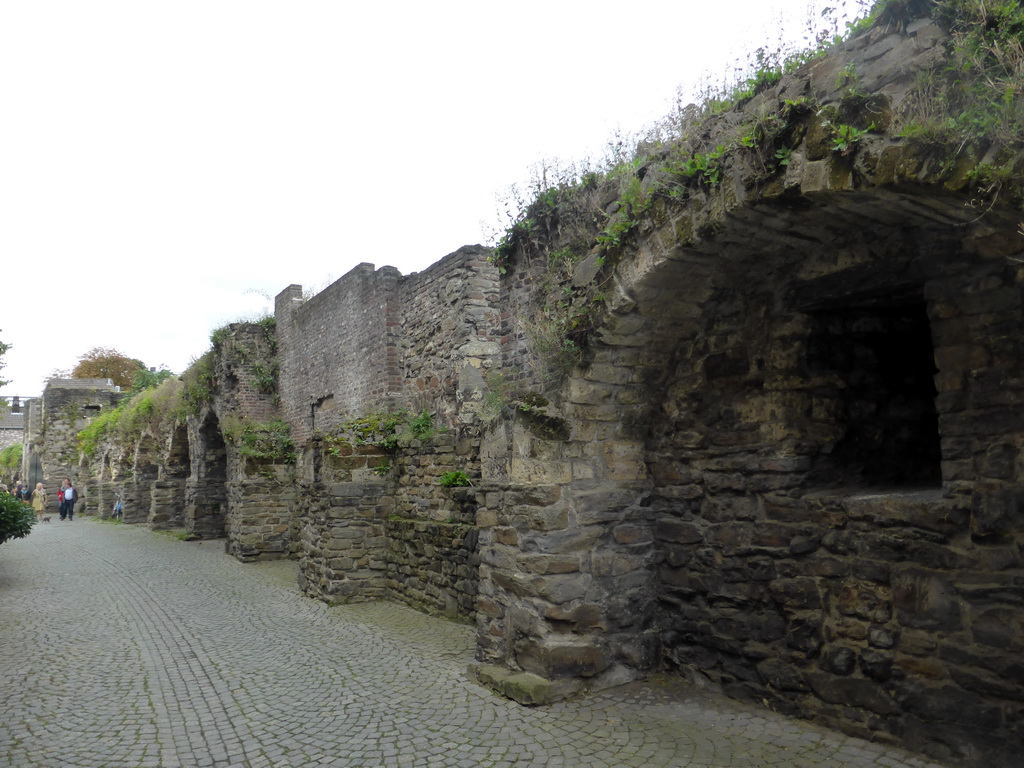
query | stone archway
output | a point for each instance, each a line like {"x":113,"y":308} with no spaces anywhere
{"x":206,"y":498}
{"x":146,"y":468}
{"x":728,"y":499}
{"x":817,"y":459}
{"x":169,"y":488}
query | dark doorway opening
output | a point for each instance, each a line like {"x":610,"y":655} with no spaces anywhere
{"x":887,"y":426}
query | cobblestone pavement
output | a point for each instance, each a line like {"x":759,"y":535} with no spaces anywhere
{"x":124,"y":648}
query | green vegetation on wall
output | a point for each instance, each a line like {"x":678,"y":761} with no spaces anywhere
{"x":199,"y":381}
{"x":261,"y":440}
{"x":127,"y":421}
{"x":973,"y":103}
{"x":384,"y":430}
{"x":454,"y":479}
{"x":573,"y":231}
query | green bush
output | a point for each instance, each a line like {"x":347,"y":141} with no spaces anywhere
{"x":270,"y":440}
{"x":455,"y":479}
{"x":10,"y":462}
{"x":16,"y":518}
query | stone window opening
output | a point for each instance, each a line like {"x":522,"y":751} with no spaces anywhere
{"x":876,"y":365}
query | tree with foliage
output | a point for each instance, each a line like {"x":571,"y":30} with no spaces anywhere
{"x":10,"y":463}
{"x":104,"y":363}
{"x":147,"y":379}
{"x":16,"y":518}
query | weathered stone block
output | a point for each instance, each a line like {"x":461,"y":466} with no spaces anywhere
{"x":997,"y":511}
{"x":676,"y":531}
{"x":553,"y":518}
{"x":926,"y":600}
{"x":524,"y":687}
{"x":583,"y":617}
{"x":799,"y":593}
{"x":875,"y":665}
{"x":561,"y":588}
{"x":883,"y":637}
{"x":570,"y":540}
{"x":550,"y":564}
{"x":561,"y":661}
{"x":631,"y":533}
{"x":838,"y":660}
{"x":853,"y":692}
{"x":782,"y":675}
{"x":614,"y":564}
{"x":1000,"y":627}
{"x":506,"y":536}
{"x":600,"y":505}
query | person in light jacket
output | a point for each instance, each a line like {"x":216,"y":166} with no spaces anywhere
{"x":39,"y":501}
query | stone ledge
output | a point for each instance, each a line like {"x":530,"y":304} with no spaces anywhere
{"x":523,"y":688}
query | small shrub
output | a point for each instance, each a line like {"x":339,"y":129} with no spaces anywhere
{"x":199,"y":381}
{"x":270,"y":440}
{"x":16,"y":518}
{"x":454,"y":479}
{"x":422,"y":426}
{"x":379,"y":428}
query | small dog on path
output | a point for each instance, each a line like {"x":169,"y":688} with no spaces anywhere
{"x":46,"y":519}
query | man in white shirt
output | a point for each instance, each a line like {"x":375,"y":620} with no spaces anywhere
{"x":70,"y":496}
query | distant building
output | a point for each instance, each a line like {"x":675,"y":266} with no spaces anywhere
{"x":66,"y":406}
{"x":12,"y":421}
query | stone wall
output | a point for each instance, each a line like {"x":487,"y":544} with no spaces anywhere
{"x":380,"y":341}
{"x":432,"y":562}
{"x":822,"y":544}
{"x":451,"y":335}
{"x":323,"y":382}
{"x":432,"y":337}
{"x":795,"y":421}
{"x":67,"y":405}
{"x":786,"y":463}
{"x":341,"y":531}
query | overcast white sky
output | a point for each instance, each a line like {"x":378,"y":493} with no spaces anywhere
{"x":166,"y":165}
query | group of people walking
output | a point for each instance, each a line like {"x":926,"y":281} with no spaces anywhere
{"x":66,"y":496}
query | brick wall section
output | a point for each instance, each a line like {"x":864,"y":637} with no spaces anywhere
{"x":10,"y":437}
{"x":376,"y":340}
{"x":518,"y":297}
{"x":246,"y":356}
{"x":722,"y":542}
{"x":252,"y":500}
{"x":830,"y":596}
{"x":339,"y":350}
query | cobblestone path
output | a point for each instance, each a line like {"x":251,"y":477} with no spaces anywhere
{"x":124,"y":648}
